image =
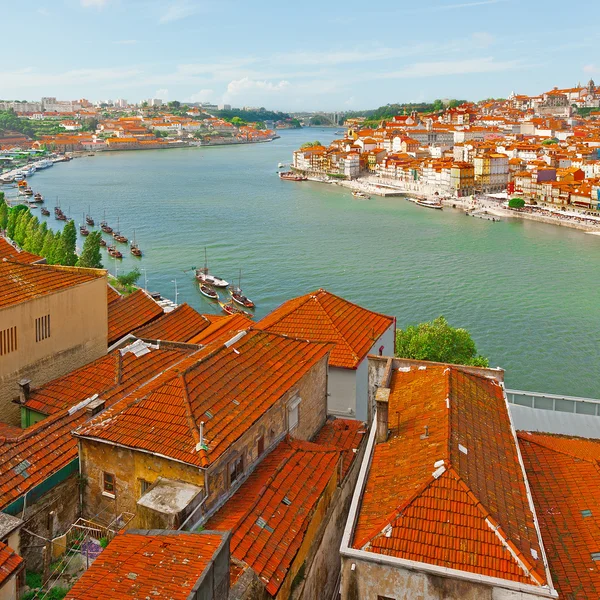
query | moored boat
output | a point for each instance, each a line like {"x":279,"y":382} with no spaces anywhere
{"x":112,"y":250}
{"x":88,"y":219}
{"x":103,"y":242}
{"x":8,"y":178}
{"x":203,"y":276}
{"x":37,"y":197}
{"x":430,"y":204}
{"x":209,"y":292}
{"x":83,"y":230}
{"x":230,"y":309}
{"x":105,"y":226}
{"x":291,"y":176}
{"x":238,"y":296}
{"x":60,"y":216}
{"x":135,"y":249}
{"x":362,"y":195}
{"x":45,"y":212}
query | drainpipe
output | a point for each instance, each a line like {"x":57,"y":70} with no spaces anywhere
{"x":201,"y":502}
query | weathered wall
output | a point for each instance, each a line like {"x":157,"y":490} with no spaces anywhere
{"x":128,"y":467}
{"x":323,"y":563}
{"x":369,"y":580}
{"x":8,"y":590}
{"x":63,"y":499}
{"x":78,"y":335}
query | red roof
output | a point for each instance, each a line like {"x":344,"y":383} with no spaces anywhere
{"x":324,"y":317}
{"x":179,"y":325}
{"x":564,"y":476}
{"x":111,"y":294}
{"x":220,"y":326}
{"x":147,"y":564}
{"x":21,"y":282}
{"x":7,"y":250}
{"x":42,"y":449}
{"x":10,"y":563}
{"x":229,"y":386}
{"x":270,"y":513}
{"x":127,"y":313}
{"x":456,"y":498}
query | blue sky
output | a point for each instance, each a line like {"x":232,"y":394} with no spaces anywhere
{"x":310,"y":55}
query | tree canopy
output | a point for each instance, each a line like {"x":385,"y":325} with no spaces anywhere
{"x":90,"y":255}
{"x":516,"y":203}
{"x":438,"y":341}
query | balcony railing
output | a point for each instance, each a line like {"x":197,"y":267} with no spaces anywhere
{"x":553,"y":402}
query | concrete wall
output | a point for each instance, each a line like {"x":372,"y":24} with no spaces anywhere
{"x":342,"y":393}
{"x":78,"y":335}
{"x":369,"y":580}
{"x":8,"y":590}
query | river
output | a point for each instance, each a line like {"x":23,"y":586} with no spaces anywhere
{"x":527,"y":292}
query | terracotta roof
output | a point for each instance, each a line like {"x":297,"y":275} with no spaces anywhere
{"x":456,"y":498}
{"x":324,"y":317}
{"x":130,"y":312}
{"x":270,"y":513}
{"x":10,"y":563}
{"x":7,"y":250}
{"x":564,"y":476}
{"x":147,"y":564}
{"x":179,"y":325}
{"x":20,"y":282}
{"x":229,"y":386}
{"x":221,"y":326}
{"x":44,"y":448}
{"x":111,"y":294}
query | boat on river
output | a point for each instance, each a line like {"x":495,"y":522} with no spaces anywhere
{"x":117,"y":234}
{"x":238,"y":296}
{"x":8,"y":178}
{"x":209,"y":292}
{"x":230,"y":308}
{"x":430,"y":204}
{"x":291,"y":176}
{"x":112,"y":251}
{"x":204,"y":276}
{"x":134,"y":248}
{"x":361,"y":195}
{"x":37,"y":197}
{"x":45,"y":212}
{"x":88,"y":219}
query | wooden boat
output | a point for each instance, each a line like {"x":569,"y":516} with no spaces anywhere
{"x":362,"y":195}
{"x":83,"y":230}
{"x":135,"y":249}
{"x":112,"y":250}
{"x":60,"y":216}
{"x":203,"y":276}
{"x":117,"y":234}
{"x":103,"y":242}
{"x":430,"y":204}
{"x":88,"y":219}
{"x":37,"y":197}
{"x":237,"y":295}
{"x":209,"y":292}
{"x":45,"y":212}
{"x":291,"y":176}
{"x":104,"y":225}
{"x":230,"y":309}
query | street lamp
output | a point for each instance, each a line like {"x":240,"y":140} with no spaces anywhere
{"x":145,"y":278}
{"x":176,"y":290}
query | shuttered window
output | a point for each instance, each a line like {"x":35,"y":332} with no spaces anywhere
{"x":42,"y":328}
{"x":8,"y":340}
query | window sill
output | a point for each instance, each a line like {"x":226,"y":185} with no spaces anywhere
{"x":109,"y":495}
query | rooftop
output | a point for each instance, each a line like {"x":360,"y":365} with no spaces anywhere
{"x":22,"y":282}
{"x":8,"y":251}
{"x":325,"y":317}
{"x":10,"y":563}
{"x":179,"y":325}
{"x":149,"y":564}
{"x":447,"y":487}
{"x":127,"y":313}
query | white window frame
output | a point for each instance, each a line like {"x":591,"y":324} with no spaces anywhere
{"x":293,"y":413}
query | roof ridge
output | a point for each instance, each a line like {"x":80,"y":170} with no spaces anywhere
{"x":353,"y":303}
{"x":189,"y":414}
{"x":538,"y":442}
{"x":498,"y":529}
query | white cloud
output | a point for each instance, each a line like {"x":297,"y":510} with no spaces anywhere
{"x":96,"y":3}
{"x":465,"y":5}
{"x":241,"y":86}
{"x":44,"y":12}
{"x":177,"y":11}
{"x":202,"y":96}
{"x":29,"y":77}
{"x":162,"y":94}
{"x":591,"y":69}
{"x":451,"y":67}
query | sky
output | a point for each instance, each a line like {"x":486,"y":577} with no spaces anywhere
{"x":294,"y":56}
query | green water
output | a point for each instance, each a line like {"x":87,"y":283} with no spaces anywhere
{"x":528,"y":292}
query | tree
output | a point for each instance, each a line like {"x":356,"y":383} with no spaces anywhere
{"x":3,"y":215}
{"x":310,"y":145}
{"x":130,"y":278}
{"x":516,"y":203}
{"x":90,"y":255}
{"x":30,"y":231}
{"x":39,"y":238}
{"x":65,"y":249}
{"x":237,"y":121}
{"x":437,"y":105}
{"x":47,"y":250}
{"x":439,"y":342}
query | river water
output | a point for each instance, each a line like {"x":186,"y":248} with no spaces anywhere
{"x":527,"y":292}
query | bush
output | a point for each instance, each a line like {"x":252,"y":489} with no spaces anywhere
{"x":516,"y":203}
{"x":128,"y":279}
{"x":103,"y":541}
{"x":33,"y":580}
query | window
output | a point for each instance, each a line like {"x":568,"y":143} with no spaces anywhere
{"x":108,"y":484}
{"x":293,"y":413}
{"x":385,"y":598}
{"x":42,"y":328}
{"x":8,"y":340}
{"x":236,"y":469}
{"x":144,"y":485}
{"x":261,"y":445}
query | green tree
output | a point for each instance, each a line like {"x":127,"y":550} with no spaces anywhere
{"x":39,"y":238}
{"x":310,"y":145}
{"x":30,"y":232}
{"x":3,"y":215}
{"x":237,"y":121}
{"x":65,"y":249}
{"x":439,"y":342}
{"x":130,"y":278}
{"x":47,"y":250}
{"x":90,"y":255}
{"x":21,"y":227}
{"x":516,"y":203}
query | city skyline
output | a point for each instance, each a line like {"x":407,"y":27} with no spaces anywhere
{"x":196,"y":52}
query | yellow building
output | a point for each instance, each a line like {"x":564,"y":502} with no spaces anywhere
{"x":52,"y":320}
{"x":462,"y":178}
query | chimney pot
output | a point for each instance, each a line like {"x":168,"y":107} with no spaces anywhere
{"x":382,"y":399}
{"x":24,"y":390}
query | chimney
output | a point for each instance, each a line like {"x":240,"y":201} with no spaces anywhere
{"x":382,"y":400}
{"x":24,"y":390}
{"x":94,"y":407}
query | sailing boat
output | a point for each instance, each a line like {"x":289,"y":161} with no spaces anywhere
{"x":203,"y":276}
{"x":117,"y":234}
{"x":83,"y":230}
{"x":237,"y":295}
{"x":104,"y":225}
{"x":88,"y":219}
{"x":135,"y":249}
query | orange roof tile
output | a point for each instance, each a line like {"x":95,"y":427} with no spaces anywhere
{"x":147,"y":564}
{"x":228,"y":386}
{"x":456,"y":498}
{"x":219,"y":326}
{"x":344,"y":434}
{"x":325,"y":317}
{"x":130,"y":312}
{"x":7,"y":250}
{"x":270,"y":513}
{"x":10,"y":563}
{"x":179,"y":325}
{"x":112,"y":294}
{"x":20,"y":282}
{"x":564,"y":476}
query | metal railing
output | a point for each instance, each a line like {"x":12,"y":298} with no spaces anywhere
{"x":554,"y":402}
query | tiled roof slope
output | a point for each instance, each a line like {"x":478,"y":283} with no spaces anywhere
{"x":111,"y":294}
{"x":179,"y":325}
{"x":47,"y":446}
{"x":447,"y":487}
{"x":283,"y":491}
{"x":229,"y":386}
{"x":344,"y":434}
{"x":20,"y":282}
{"x":229,"y":324}
{"x":10,"y":562}
{"x":130,"y":312}
{"x":564,"y":475}
{"x":8,"y":251}
{"x":324,"y":317}
{"x":140,"y":564}
{"x":111,"y":376}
